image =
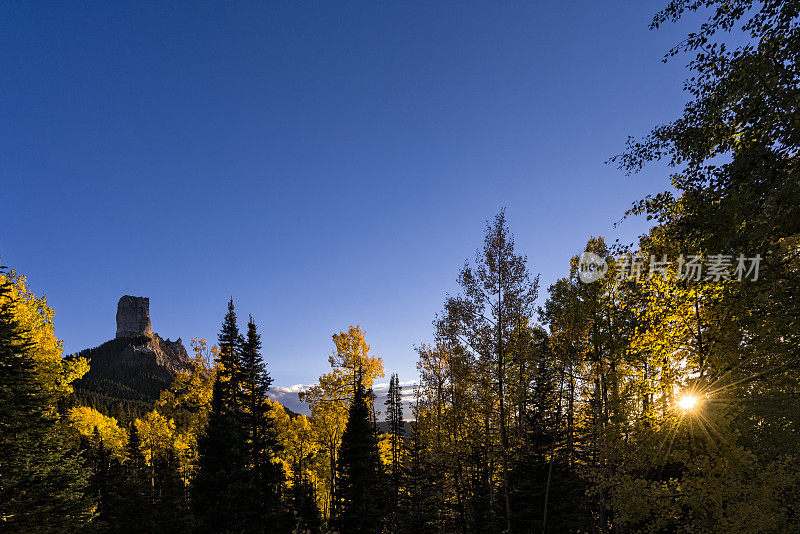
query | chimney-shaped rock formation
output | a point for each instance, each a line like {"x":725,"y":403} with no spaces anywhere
{"x":133,"y":317}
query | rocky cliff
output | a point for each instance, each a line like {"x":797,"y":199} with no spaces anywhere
{"x":133,"y":316}
{"x":127,"y":373}
{"x":133,"y":321}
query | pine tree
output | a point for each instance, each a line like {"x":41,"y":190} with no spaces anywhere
{"x":230,"y":359}
{"x":262,"y":434}
{"x":99,"y":463}
{"x":125,"y":493}
{"x":360,"y":473}
{"x":304,"y":505}
{"x":223,"y":489}
{"x":170,"y":509}
{"x":416,"y":505}
{"x":329,"y":401}
{"x":548,"y":494}
{"x":42,"y":487}
{"x":394,"y":417}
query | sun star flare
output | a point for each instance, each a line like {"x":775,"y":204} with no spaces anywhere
{"x":687,"y":403}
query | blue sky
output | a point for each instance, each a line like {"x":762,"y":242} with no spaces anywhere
{"x":324,"y":163}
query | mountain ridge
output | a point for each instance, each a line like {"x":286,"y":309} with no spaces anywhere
{"x":127,"y":373}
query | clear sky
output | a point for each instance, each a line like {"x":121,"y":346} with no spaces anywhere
{"x":324,"y":163}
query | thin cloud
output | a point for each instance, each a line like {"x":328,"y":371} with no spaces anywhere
{"x":288,"y":397}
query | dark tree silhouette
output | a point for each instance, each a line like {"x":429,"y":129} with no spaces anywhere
{"x":361,"y":477}
{"x":42,"y":487}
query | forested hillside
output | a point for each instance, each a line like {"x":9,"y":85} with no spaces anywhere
{"x":121,"y":382}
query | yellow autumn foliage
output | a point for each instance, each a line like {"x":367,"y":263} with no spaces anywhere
{"x":36,"y":317}
{"x":187,"y":401}
{"x":158,"y":435}
{"x":83,"y":421}
{"x":330,"y":399}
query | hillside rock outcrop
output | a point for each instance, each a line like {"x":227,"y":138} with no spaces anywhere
{"x":133,"y":321}
{"x":128,"y":373}
{"x":133,"y":316}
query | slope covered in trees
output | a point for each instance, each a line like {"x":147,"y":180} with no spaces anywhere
{"x":121,"y":382}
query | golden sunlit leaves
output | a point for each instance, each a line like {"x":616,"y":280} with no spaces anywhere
{"x":330,"y":398}
{"x":158,"y":435}
{"x":36,"y":318}
{"x":84,"y":420}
